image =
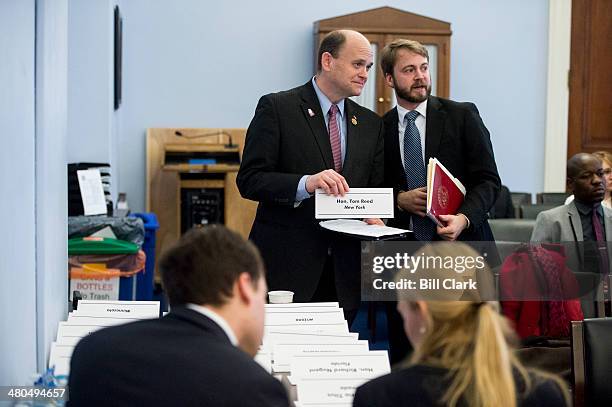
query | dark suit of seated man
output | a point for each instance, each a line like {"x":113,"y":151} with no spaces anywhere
{"x":201,"y":353}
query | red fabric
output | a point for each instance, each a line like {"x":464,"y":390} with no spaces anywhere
{"x":523,"y":285}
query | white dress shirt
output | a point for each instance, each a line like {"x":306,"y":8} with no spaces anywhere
{"x":218,"y":319}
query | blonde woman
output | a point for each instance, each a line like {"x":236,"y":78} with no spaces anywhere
{"x":461,"y":353}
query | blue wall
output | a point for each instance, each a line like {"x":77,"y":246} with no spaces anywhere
{"x":17,"y":209}
{"x":205,"y":64}
{"x":33,"y":211}
{"x":51,"y":177}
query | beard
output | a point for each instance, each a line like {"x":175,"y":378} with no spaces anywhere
{"x":410,"y":96}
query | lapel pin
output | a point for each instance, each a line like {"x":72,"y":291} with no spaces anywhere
{"x":354,"y":121}
{"x":311,"y":113}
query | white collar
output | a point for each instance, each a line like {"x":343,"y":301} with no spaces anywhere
{"x":218,"y":319}
{"x":421,"y":108}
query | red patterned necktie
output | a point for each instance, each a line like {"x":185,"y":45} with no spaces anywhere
{"x":601,"y":241}
{"x":334,"y":138}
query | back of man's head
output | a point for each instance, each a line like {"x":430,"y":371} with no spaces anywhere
{"x":204,"y":265}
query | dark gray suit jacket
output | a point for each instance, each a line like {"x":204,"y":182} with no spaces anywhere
{"x":563,"y":225}
{"x":283,"y":143}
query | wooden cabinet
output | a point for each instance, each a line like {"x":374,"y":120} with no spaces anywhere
{"x":383,"y":25}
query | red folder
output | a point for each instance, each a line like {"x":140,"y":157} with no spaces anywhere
{"x":445,"y":193}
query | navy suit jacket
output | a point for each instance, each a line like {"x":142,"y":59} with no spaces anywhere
{"x":182,"y":359}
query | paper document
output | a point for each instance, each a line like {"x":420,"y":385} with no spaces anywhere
{"x":360,"y":228}
{"x":92,"y":192}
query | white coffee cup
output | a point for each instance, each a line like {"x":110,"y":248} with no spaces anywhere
{"x":280,"y":297}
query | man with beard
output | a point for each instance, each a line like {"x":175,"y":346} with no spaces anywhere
{"x":306,"y":138}
{"x":420,"y":127}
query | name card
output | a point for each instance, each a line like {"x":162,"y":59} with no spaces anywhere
{"x":303,"y":309}
{"x":348,"y":366}
{"x":101,"y":321}
{"x":304,"y":305}
{"x":274,"y":318}
{"x":272,"y":338}
{"x":131,"y":309}
{"x":328,"y":391}
{"x":357,"y":203}
{"x":340,"y":327}
{"x":264,"y":358}
{"x":284,"y":352}
{"x":66,"y":330}
{"x":59,"y":356}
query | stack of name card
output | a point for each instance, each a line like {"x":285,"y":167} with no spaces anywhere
{"x":311,"y":345}
{"x":89,"y":317}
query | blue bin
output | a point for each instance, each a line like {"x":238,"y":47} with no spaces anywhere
{"x":144,"y":281}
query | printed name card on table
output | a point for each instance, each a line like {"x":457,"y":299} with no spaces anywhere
{"x":70,"y":334}
{"x":102,"y":321}
{"x":327,"y":391}
{"x":272,"y":338}
{"x":284,"y":352}
{"x":132,"y":309}
{"x":304,"y":305}
{"x":356,"y":204}
{"x":274,"y":318}
{"x":264,"y":358}
{"x":59,"y":357}
{"x":348,"y":366}
{"x":338,"y":327}
{"x":303,"y":309}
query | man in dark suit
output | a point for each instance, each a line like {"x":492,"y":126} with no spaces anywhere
{"x":306,"y":138}
{"x":422,"y":127}
{"x":201,"y":353}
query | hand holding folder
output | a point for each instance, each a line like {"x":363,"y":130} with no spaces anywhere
{"x":445,"y":193}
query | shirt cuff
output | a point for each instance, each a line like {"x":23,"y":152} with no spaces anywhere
{"x":301,"y":192}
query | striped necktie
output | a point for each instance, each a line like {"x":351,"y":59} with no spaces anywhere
{"x":423,"y":228}
{"x":334,"y":138}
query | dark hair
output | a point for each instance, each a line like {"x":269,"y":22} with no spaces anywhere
{"x":203,"y":265}
{"x":331,"y":43}
{"x":388,"y":55}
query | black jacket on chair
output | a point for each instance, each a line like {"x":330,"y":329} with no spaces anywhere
{"x":182,"y":359}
